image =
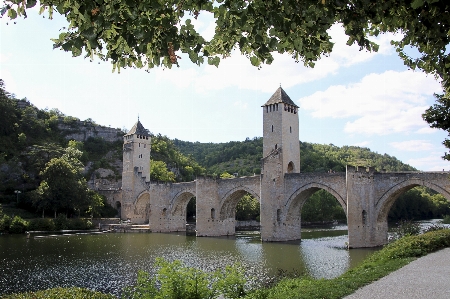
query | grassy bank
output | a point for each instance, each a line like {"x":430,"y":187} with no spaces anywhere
{"x":381,"y":263}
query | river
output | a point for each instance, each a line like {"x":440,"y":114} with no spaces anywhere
{"x":108,"y":262}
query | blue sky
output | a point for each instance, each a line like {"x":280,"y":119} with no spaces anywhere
{"x":351,"y":97}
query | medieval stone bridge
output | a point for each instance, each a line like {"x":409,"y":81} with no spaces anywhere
{"x":365,"y":195}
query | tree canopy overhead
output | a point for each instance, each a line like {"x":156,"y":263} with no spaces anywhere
{"x":149,"y":33}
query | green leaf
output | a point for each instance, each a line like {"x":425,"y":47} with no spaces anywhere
{"x":89,"y":33}
{"x":417,"y":3}
{"x":31,"y":3}
{"x":12,"y":14}
{"x":254,"y":60}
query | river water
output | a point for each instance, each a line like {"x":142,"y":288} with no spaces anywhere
{"x":108,"y":262}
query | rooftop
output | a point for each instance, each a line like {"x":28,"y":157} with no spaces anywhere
{"x":280,"y":96}
{"x":138,"y":129}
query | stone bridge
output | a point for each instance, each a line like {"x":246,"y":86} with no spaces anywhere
{"x":365,"y":195}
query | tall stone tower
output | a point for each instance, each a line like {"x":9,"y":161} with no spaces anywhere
{"x":281,"y":155}
{"x":281,"y":129}
{"x":136,"y":172}
{"x":136,"y":151}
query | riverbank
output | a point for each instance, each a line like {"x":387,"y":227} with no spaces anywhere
{"x":378,"y":265}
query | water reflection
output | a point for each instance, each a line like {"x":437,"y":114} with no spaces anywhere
{"x":109,"y":262}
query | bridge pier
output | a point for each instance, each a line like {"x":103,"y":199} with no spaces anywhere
{"x":363,"y":229}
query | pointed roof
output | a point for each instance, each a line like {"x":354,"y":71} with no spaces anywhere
{"x":280,"y":96}
{"x":138,"y":129}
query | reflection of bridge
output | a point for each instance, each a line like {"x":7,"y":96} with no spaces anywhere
{"x":365,"y":195}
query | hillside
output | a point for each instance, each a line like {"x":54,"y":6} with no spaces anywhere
{"x":244,"y":157}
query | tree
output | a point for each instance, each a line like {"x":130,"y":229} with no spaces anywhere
{"x":151,"y":33}
{"x":159,"y":172}
{"x":63,"y":186}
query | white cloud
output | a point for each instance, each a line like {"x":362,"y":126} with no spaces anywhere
{"x":413,"y":145}
{"x":349,"y":55}
{"x":433,"y":162}
{"x":391,"y":102}
{"x":237,"y":71}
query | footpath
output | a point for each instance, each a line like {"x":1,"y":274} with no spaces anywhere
{"x":427,"y":277}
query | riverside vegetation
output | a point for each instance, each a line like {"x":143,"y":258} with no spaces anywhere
{"x":174,"y":280}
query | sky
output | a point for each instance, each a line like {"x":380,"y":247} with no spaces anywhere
{"x":351,"y":97}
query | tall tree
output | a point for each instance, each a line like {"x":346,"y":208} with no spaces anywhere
{"x":63,"y":187}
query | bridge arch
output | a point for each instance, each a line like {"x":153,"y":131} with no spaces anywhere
{"x":179,"y":203}
{"x":141,"y":210}
{"x":230,"y":200}
{"x":295,"y":202}
{"x":386,"y":201}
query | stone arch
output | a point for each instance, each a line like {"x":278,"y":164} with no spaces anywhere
{"x":385,"y":202}
{"x":295,"y":202}
{"x":141,"y":210}
{"x":180,"y":202}
{"x":230,"y":200}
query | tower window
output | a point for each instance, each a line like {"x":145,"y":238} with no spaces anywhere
{"x":272,"y":128}
{"x":146,"y":144}
{"x":139,"y":144}
{"x":276,"y":105}
{"x":276,"y":146}
{"x":290,"y":129}
{"x":267,"y":109}
{"x":213,"y":213}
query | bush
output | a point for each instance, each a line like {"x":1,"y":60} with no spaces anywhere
{"x":406,"y":228}
{"x":174,"y":280}
{"x":5,"y":222}
{"x":41,"y":224}
{"x":61,"y":222}
{"x":18,"y":225}
{"x":415,"y":246}
{"x":446,"y":219}
{"x":80,"y":224}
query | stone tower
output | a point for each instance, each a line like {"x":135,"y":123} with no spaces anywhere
{"x":281,"y":129}
{"x":281,"y":155}
{"x":136,"y":151}
{"x":136,"y":169}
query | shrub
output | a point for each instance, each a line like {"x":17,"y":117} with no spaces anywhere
{"x":79,"y":224}
{"x":5,"y":222}
{"x":446,"y":219}
{"x":18,"y":225}
{"x":406,"y":228}
{"x":174,"y":280}
{"x":41,"y":224}
{"x":415,"y":246}
{"x":61,"y":222}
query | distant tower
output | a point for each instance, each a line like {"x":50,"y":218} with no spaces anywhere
{"x":136,"y":153}
{"x":281,"y":130}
